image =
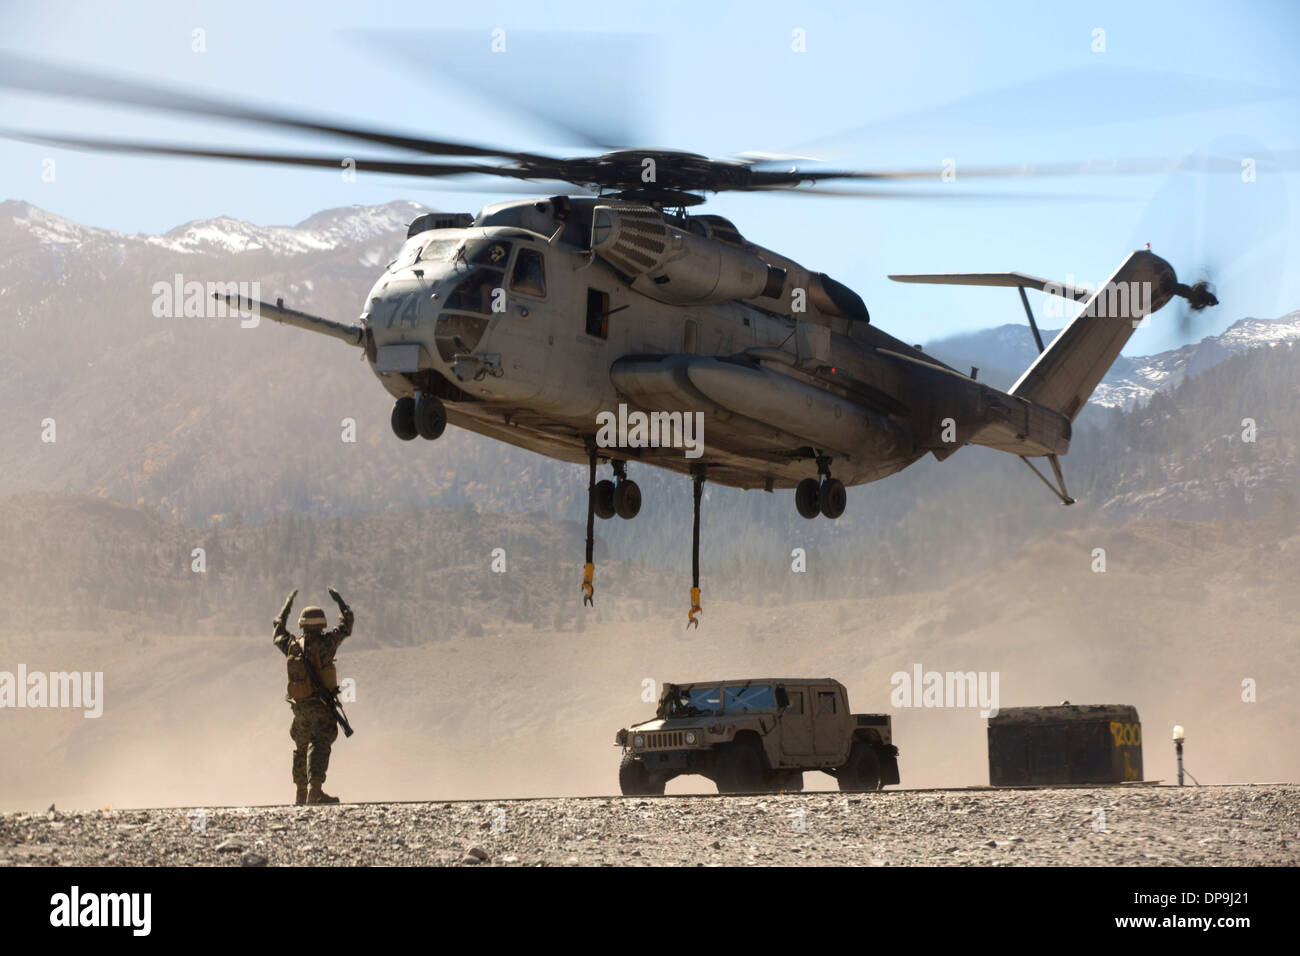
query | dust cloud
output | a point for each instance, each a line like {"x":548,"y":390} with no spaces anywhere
{"x":1177,"y":632}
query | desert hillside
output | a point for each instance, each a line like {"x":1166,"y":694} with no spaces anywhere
{"x":180,"y":436}
{"x":1183,"y":614}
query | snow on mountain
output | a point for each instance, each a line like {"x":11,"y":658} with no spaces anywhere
{"x":1006,"y":350}
{"x":362,"y":223}
{"x":1139,"y":378}
{"x":325,"y":230}
{"x":224,"y":235}
{"x":330,"y":229}
{"x":1010,"y":349}
{"x":46,"y":227}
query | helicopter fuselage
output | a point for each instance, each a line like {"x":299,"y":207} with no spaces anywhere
{"x":528,"y":334}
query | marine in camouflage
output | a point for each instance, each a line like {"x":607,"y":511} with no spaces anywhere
{"x":314,"y":728}
{"x":314,"y":731}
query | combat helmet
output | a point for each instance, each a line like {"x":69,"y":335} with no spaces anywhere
{"x":312,"y":618}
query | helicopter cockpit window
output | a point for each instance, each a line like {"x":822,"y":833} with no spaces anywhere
{"x":475,"y":292}
{"x":597,"y":313}
{"x":529,"y":275}
{"x":437,"y":250}
{"x":491,"y":252}
{"x":407,"y":257}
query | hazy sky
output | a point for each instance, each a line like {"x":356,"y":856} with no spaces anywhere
{"x":877,"y":86}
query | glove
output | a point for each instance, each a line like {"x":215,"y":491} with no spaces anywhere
{"x":338,"y":599}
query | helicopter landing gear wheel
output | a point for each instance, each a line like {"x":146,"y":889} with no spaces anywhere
{"x":430,"y":416}
{"x":403,"y":418}
{"x":807,"y":498}
{"x":602,"y":499}
{"x":832,"y":497}
{"x":627,"y":499}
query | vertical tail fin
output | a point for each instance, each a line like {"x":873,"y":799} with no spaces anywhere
{"x":1065,"y":375}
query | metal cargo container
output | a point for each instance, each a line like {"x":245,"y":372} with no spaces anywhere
{"x":1068,"y":744}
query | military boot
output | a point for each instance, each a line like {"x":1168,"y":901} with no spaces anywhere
{"x":317,"y":795}
{"x":301,"y":797}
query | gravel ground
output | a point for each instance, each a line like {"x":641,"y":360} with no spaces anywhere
{"x":1230,"y":825}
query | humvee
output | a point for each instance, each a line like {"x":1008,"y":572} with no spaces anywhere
{"x":754,"y":735}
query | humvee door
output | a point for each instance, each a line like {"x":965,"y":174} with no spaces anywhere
{"x":796,"y":723}
{"x":828,"y":721}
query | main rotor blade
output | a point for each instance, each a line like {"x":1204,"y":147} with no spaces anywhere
{"x":1119,"y":167}
{"x":20,"y":73}
{"x":516,"y":70}
{"x":532,"y":187}
{"x":1078,"y":97}
{"x":398,"y":167}
{"x":948,"y":192}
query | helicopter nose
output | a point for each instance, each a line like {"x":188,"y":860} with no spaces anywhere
{"x":400,"y":316}
{"x":457,"y":334}
{"x":398,"y":309}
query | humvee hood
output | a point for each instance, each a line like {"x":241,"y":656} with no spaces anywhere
{"x":671,"y":723}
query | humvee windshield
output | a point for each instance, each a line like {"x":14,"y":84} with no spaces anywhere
{"x":707,"y":701}
{"x":752,"y":698}
{"x":693,"y":702}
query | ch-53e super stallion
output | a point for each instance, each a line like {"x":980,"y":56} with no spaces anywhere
{"x":546,"y":322}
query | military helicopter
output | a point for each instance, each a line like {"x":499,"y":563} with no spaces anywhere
{"x":620,"y":327}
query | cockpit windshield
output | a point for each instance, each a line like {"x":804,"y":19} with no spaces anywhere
{"x":438,"y":250}
{"x":487,"y":252}
{"x":476,"y":291}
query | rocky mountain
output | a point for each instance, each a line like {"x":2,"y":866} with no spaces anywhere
{"x":177,"y":434}
{"x":1002,"y":353}
{"x":324,"y":231}
{"x":210,"y":424}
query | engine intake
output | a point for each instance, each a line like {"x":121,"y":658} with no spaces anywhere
{"x":676,"y":267}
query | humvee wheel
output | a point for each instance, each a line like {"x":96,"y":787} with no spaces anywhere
{"x":862,"y":772}
{"x":806,"y":498}
{"x":739,"y":768}
{"x":634,"y":779}
{"x":430,"y":417}
{"x":403,"y":419}
{"x":784,"y":781}
{"x":603,"y":499}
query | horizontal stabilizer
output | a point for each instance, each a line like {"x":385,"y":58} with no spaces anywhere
{"x":1010,"y":280}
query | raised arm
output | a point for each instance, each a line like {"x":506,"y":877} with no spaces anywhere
{"x":281,"y":635}
{"x":346,"y":617}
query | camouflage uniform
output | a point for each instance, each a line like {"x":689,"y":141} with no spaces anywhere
{"x":314,"y":729}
